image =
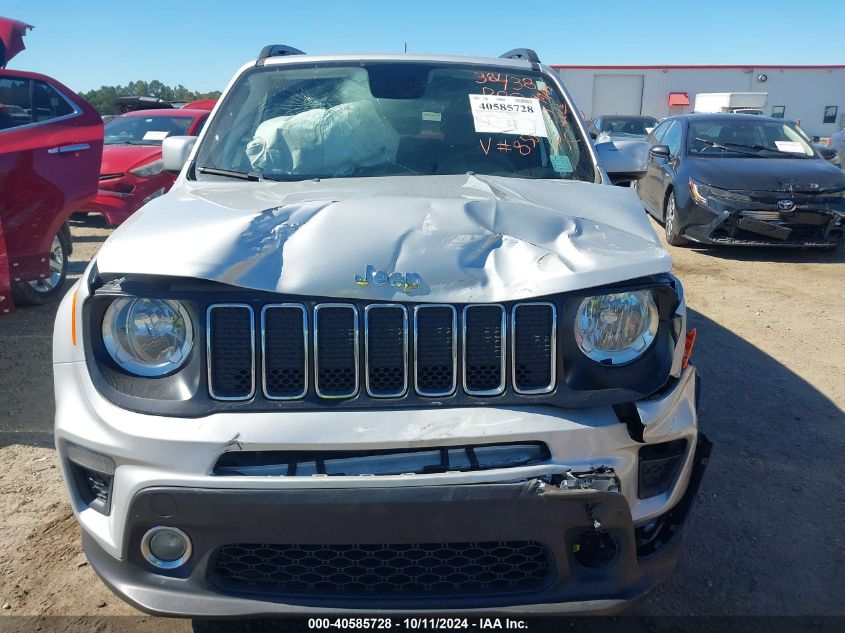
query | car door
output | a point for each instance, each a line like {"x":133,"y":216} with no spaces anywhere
{"x":665,"y":169}
{"x":647,"y":186}
{"x":51,"y":143}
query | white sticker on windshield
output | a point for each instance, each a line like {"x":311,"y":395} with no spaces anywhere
{"x":431,"y":116}
{"x":507,"y":115}
{"x":155,"y":135}
{"x":793,"y":147}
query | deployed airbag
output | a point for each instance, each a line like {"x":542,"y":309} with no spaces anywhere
{"x":333,"y":141}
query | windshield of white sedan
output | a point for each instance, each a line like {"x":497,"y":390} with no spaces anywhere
{"x":756,"y":138}
{"x":379,"y":119}
{"x":636,"y":126}
{"x":143,"y":130}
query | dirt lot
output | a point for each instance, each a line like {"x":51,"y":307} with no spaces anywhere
{"x":766,"y":537}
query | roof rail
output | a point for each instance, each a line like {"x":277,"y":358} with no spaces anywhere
{"x":522,"y":53}
{"x":276,"y":50}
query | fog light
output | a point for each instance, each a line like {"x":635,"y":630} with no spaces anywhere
{"x":594,"y":550}
{"x":166,"y":547}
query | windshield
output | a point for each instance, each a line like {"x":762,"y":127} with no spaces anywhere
{"x":637,"y":126}
{"x":140,"y":130}
{"x":755,"y":138}
{"x":377,"y":119}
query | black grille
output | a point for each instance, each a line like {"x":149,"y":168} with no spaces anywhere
{"x":337,"y":350}
{"x":231,"y":347}
{"x":533,"y":347}
{"x":386,"y":335}
{"x":435,"y":349}
{"x":414,"y":570}
{"x":484,"y":360}
{"x":284,"y":351}
{"x":98,"y":484}
{"x":288,"y":369}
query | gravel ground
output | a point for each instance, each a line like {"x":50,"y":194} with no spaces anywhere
{"x":766,"y":536}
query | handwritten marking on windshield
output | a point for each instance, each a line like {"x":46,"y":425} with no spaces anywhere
{"x":524,"y":145}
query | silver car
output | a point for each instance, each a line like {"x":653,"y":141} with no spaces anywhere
{"x":391,"y":343}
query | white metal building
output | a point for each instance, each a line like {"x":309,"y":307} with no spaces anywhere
{"x":811,"y":95}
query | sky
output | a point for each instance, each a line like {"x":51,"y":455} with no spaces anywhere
{"x":200,"y":44}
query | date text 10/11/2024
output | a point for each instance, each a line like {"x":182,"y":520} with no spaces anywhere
{"x":415,"y":624}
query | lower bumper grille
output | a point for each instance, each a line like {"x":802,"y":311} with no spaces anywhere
{"x":409,"y":570}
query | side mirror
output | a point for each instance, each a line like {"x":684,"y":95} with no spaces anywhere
{"x":175,"y":151}
{"x":828,"y":153}
{"x":593,"y":135}
{"x":660,"y":150}
{"x":623,"y":160}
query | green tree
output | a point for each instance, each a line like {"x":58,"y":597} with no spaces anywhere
{"x":104,"y":98}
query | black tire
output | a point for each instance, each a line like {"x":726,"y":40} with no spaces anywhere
{"x":670,"y":222}
{"x":27,"y":293}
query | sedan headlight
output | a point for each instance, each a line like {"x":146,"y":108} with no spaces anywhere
{"x":616,"y":328}
{"x":148,"y":337}
{"x":149,"y":170}
{"x":701,"y":193}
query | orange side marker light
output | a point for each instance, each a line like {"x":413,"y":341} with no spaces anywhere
{"x":688,"y":345}
{"x":73,"y":320}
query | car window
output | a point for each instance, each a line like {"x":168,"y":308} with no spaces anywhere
{"x":762,"y":138}
{"x":49,"y":104}
{"x":15,"y":104}
{"x":634,"y":126}
{"x":145,"y":130}
{"x":672,"y":138}
{"x":293,"y":122}
{"x":658,"y":132}
{"x":200,"y":125}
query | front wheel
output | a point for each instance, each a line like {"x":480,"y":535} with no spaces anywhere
{"x":670,"y":223}
{"x":41,"y":291}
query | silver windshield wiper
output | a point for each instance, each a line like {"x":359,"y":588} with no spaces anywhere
{"x":230,"y":173}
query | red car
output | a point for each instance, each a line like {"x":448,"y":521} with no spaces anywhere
{"x":51,"y":142}
{"x":132,"y":172}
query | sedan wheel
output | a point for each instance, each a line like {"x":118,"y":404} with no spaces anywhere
{"x":48,"y":288}
{"x":670,"y":223}
{"x":57,"y":268}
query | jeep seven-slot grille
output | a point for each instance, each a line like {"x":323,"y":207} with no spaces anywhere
{"x":406,"y":570}
{"x":284,"y":328}
{"x":231,"y":351}
{"x":404,"y":348}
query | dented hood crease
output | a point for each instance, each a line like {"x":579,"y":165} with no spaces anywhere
{"x":470,"y":238}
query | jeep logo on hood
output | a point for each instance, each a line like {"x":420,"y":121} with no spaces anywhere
{"x":402,"y":281}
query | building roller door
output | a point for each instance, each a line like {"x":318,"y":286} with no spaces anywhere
{"x":617,"y":94}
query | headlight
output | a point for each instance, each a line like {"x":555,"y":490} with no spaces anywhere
{"x":616,"y":328}
{"x":149,"y":170}
{"x":148,"y":337}
{"x":701,"y":193}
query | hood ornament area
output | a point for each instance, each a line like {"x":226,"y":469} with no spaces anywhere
{"x":406,"y":282}
{"x":786,"y":205}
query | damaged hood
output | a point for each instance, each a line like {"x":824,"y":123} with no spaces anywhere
{"x":469,"y":238}
{"x":792,"y":175}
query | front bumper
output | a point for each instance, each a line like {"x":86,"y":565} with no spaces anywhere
{"x":523,"y":511}
{"x":176,"y":456}
{"x":738,"y":224}
{"x":119,"y":198}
